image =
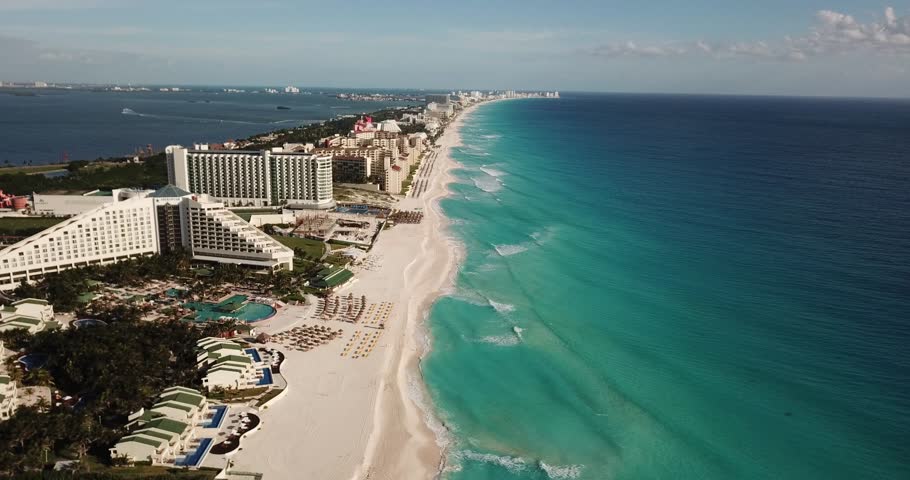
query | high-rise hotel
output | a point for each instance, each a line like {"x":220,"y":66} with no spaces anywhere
{"x":143,"y":223}
{"x":253,"y":178}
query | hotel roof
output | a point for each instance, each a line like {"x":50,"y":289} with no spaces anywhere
{"x":141,"y":439}
{"x":194,"y":400}
{"x":177,"y":405}
{"x":165,"y":424}
{"x":234,"y":359}
{"x":169,"y":191}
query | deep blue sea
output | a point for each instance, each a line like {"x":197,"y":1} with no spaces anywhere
{"x":678,"y":287}
{"x":84,"y":125}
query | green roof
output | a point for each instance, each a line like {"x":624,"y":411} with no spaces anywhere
{"x":332,"y":277}
{"x":225,"y":368}
{"x":178,"y":388}
{"x":167,"y":425}
{"x":153,"y":433}
{"x":140,"y":439}
{"x":178,"y":406}
{"x":182,"y":397}
{"x":234,"y":358}
{"x":226,"y":346}
{"x":147,"y":416}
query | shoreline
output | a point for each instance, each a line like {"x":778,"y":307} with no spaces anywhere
{"x":369,"y":417}
{"x":423,"y":436}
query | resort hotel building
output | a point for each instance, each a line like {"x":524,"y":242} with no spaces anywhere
{"x":144,"y":224}
{"x":32,"y":314}
{"x":253,"y":178}
{"x":162,"y":432}
{"x":228,"y":366}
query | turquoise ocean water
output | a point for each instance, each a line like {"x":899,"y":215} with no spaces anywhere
{"x":661,"y":287}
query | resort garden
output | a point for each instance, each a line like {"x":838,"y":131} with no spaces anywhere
{"x":102,"y":369}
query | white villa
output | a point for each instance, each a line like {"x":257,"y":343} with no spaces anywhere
{"x":160,"y":433}
{"x":8,"y":397}
{"x":228,"y":366}
{"x":30,"y":313}
{"x":177,"y":403}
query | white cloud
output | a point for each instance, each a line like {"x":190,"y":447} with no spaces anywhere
{"x":834,"y":33}
{"x":839,"y":31}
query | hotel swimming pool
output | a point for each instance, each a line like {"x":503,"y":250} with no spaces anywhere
{"x":266,"y":377}
{"x":231,"y":307}
{"x":194,"y":458}
{"x":252,"y":352}
{"x":218,"y":417}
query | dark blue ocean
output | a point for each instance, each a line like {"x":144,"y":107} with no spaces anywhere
{"x":678,"y":287}
{"x":84,"y":125}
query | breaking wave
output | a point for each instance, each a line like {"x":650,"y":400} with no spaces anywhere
{"x":512,"y":464}
{"x":538,"y":238}
{"x":487,"y":184}
{"x":517,"y":464}
{"x":509,"y":250}
{"x":492,"y":172}
{"x":417,"y":395}
{"x":560,"y":471}
{"x":501,"y":307}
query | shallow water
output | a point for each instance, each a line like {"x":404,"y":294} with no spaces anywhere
{"x":678,"y":287}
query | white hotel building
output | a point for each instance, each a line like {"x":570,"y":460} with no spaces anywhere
{"x":253,"y":178}
{"x":145,"y":224}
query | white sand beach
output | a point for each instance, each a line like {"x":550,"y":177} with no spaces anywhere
{"x":356,"y":418}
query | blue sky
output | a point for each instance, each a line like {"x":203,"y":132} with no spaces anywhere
{"x":832,"y":47}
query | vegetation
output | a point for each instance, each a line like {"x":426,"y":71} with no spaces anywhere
{"x":311,"y":249}
{"x":236,"y":395}
{"x":312,"y":133}
{"x":32,"y":169}
{"x":63,"y":289}
{"x":104,"y":174}
{"x":246,"y":214}
{"x":407,"y":182}
{"x":270,"y":395}
{"x":113,"y":370}
{"x":89,"y":470}
{"x":26,"y":226}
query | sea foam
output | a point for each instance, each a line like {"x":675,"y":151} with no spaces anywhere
{"x":512,"y":464}
{"x":509,"y":250}
{"x":416,"y":394}
{"x":487,"y":184}
{"x":515,"y":464}
{"x":560,"y":471}
{"x":501,"y":340}
{"x":492,"y":171}
{"x":501,"y":307}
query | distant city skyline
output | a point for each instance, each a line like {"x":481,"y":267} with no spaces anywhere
{"x":776,"y":47}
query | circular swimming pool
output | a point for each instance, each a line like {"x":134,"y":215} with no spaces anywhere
{"x":89,"y":322}
{"x":249,"y":312}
